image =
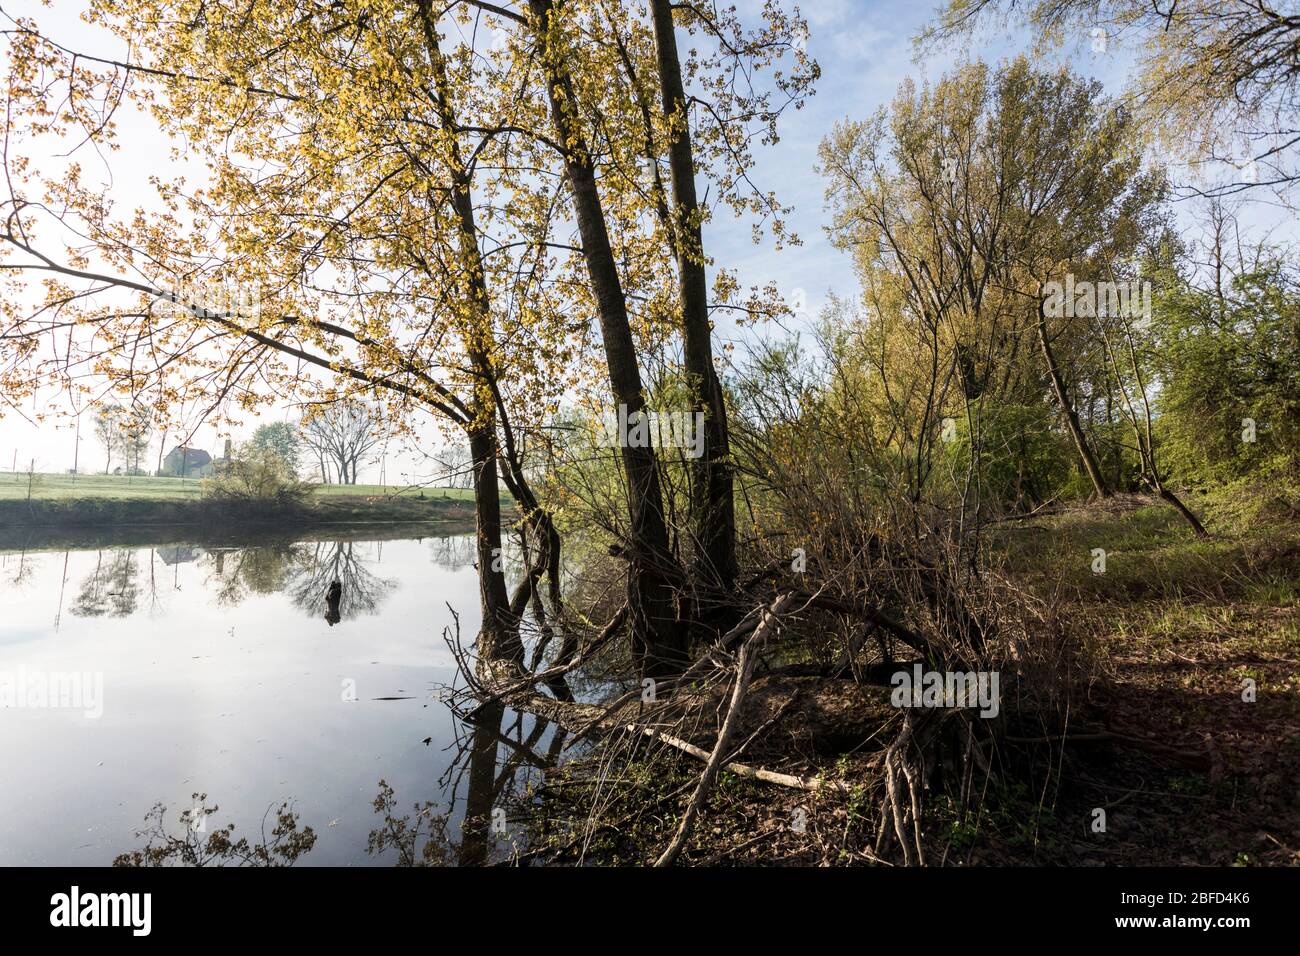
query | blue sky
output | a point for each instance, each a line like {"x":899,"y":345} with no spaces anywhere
{"x":865,"y":50}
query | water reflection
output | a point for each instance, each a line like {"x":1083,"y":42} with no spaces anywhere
{"x":178,"y":554}
{"x":333,"y":601}
{"x":111,"y":589}
{"x":336,"y":569}
{"x":455,"y":552}
{"x":236,"y":573}
{"x":491,"y":828}
{"x":221,"y":677}
{"x":331,"y":578}
{"x":494,"y":807}
{"x":19,"y":570}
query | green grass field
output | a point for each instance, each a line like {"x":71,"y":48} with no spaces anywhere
{"x":14,"y":487}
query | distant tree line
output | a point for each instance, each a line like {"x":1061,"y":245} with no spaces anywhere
{"x":125,"y":432}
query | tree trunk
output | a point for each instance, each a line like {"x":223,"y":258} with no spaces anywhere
{"x":658,"y":636}
{"x":1197,"y":528}
{"x":712,"y":504}
{"x":499,"y":639}
{"x":1145,"y":437}
{"x":499,"y":634}
{"x":1071,"y":418}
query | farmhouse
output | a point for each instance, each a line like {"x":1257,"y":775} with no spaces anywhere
{"x":183,"y":462}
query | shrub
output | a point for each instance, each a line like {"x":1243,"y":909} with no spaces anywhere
{"x":1023,"y":459}
{"x":1229,"y":360}
{"x":258,"y":475}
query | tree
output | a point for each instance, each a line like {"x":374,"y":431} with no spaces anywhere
{"x":408,"y":322}
{"x":1123,"y":343}
{"x":258,"y":475}
{"x":960,"y":205}
{"x":1215,"y":79}
{"x":401,"y":203}
{"x":1224,"y":342}
{"x":108,"y":429}
{"x":583,"y":106}
{"x":341,"y":435}
{"x":136,"y":428}
{"x":124,"y":432}
{"x":281,"y":439}
{"x":455,"y":466}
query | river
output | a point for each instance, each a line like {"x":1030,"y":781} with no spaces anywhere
{"x":219,"y":668}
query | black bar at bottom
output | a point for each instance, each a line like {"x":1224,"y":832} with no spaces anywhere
{"x":338,"y":906}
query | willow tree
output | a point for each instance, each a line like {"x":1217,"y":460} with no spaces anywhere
{"x":959,"y":204}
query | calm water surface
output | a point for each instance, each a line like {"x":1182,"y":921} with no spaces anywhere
{"x":222,"y":675}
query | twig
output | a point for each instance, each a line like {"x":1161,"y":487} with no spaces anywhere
{"x":744,"y":669}
{"x":559,"y":670}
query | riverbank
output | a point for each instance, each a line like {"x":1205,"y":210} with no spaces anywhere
{"x":52,"y":503}
{"x":1184,"y":728}
{"x":14,"y":539}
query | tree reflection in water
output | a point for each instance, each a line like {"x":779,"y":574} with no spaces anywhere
{"x":308,"y":573}
{"x":111,"y":589}
{"x":359,"y":591}
{"x":491,"y":789}
{"x":235,"y":573}
{"x":453,"y":552}
{"x":18,"y":569}
{"x":425,"y":838}
{"x":497,"y":756}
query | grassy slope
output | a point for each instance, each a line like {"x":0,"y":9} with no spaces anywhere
{"x":65,"y":501}
{"x":1179,"y":625}
{"x":13,"y":487}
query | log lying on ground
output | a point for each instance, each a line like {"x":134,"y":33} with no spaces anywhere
{"x":593,"y":719}
{"x":609,"y":718}
{"x":811,"y":784}
{"x":744,"y":669}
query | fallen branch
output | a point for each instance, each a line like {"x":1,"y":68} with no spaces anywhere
{"x":873,"y":615}
{"x":744,"y":669}
{"x":811,"y":784}
{"x":747,"y":624}
{"x":559,"y":670}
